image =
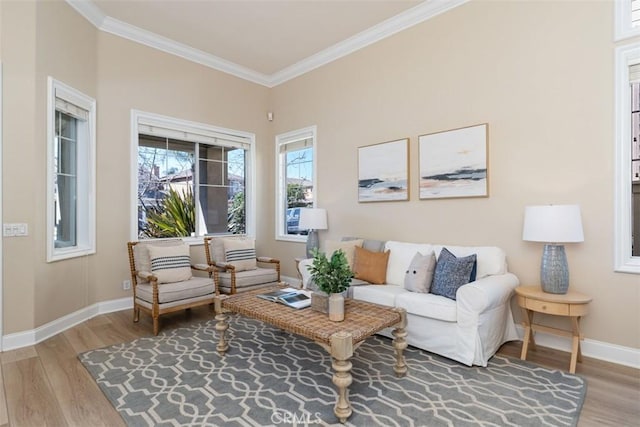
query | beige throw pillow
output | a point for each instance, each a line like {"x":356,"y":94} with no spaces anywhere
{"x":241,"y":253}
{"x":347,"y":246}
{"x":170,"y":263}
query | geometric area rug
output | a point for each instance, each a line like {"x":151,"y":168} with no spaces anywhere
{"x":272,"y":378}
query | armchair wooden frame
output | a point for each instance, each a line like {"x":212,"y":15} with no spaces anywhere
{"x":230,"y":268}
{"x":157,"y":308}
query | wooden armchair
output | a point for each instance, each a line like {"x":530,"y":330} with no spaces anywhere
{"x":162,"y":280}
{"x":236,"y":268}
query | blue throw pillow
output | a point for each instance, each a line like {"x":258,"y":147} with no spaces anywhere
{"x":451,"y":273}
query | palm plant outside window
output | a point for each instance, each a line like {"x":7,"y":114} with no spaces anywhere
{"x":189,"y":188}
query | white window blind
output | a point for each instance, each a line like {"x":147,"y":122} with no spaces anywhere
{"x":202,"y":136}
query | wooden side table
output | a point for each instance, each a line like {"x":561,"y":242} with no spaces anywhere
{"x":572,"y":304}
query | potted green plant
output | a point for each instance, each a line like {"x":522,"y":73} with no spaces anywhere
{"x":332,"y":276}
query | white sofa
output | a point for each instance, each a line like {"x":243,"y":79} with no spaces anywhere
{"x":469,"y":329}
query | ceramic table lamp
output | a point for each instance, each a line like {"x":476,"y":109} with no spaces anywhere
{"x":312,"y":219}
{"x":553,"y":225}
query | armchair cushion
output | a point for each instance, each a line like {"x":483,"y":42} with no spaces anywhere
{"x":170,"y":263}
{"x":141,"y":257}
{"x":241,"y":253}
{"x":170,"y":292}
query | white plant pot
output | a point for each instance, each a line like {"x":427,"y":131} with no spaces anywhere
{"x":336,"y":307}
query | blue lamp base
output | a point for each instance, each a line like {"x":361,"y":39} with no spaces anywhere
{"x":554,"y":270}
{"x":312,"y":242}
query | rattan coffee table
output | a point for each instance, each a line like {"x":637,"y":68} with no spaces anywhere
{"x":340,"y":339}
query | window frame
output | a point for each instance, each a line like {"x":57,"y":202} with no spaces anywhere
{"x":86,"y":170}
{"x":208,"y":131}
{"x":310,"y":132}
{"x":623,"y":25}
{"x":624,"y":262}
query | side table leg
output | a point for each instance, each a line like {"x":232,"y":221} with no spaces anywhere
{"x":341,"y":352}
{"x":528,"y":333}
{"x":221,"y":326}
{"x":576,"y":353}
{"x":400,"y":343}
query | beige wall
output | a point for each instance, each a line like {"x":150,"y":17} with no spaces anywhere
{"x":46,"y":38}
{"x":541,"y":75}
{"x":510,"y":64}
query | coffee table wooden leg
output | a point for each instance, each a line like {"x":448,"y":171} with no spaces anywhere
{"x":400,"y":344}
{"x":221,"y":326}
{"x":341,"y":352}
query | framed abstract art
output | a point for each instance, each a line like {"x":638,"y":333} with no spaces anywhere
{"x":454,"y":163}
{"x":383,"y":171}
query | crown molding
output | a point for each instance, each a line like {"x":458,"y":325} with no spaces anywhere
{"x":89,"y":11}
{"x":391,"y":26}
{"x":173,"y":47}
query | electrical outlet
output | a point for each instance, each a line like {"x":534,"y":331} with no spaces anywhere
{"x":126,"y":285}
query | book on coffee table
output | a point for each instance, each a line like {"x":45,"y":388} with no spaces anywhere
{"x":290,"y":297}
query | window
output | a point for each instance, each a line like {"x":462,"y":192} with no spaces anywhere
{"x":295,"y":153}
{"x":627,"y":194}
{"x":192,"y":179}
{"x":627,"y":18}
{"x":70,"y":172}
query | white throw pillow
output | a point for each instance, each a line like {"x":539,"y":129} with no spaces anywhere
{"x":401,"y":255}
{"x":170,"y":263}
{"x":241,"y":253}
{"x":419,"y":275}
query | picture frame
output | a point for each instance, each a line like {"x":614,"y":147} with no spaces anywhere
{"x":383,"y":171}
{"x":454,"y":163}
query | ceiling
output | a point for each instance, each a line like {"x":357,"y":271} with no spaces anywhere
{"x":265,"y":41}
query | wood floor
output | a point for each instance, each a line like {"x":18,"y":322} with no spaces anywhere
{"x":45,"y":385}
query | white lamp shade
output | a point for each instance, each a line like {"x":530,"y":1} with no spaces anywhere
{"x":313,"y":219}
{"x":553,"y":224}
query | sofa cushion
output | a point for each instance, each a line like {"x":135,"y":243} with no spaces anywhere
{"x":370,"y":266}
{"x":401,"y":255}
{"x":428,"y":305}
{"x":170,"y":263}
{"x":347,"y":246}
{"x":241,"y":253}
{"x":491,"y":260}
{"x":384,"y":295}
{"x":451,"y":273}
{"x":419,"y":274}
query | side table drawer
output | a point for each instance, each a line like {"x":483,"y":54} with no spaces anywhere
{"x":547,"y":307}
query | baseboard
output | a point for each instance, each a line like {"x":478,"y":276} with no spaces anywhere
{"x":41,"y":333}
{"x":608,"y":352}
{"x":614,"y":353}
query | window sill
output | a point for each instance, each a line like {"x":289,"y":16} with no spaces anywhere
{"x":295,"y":238}
{"x":76,"y":252}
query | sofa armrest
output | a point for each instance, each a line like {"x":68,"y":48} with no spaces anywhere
{"x":303,"y":269}
{"x":486,"y":294}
